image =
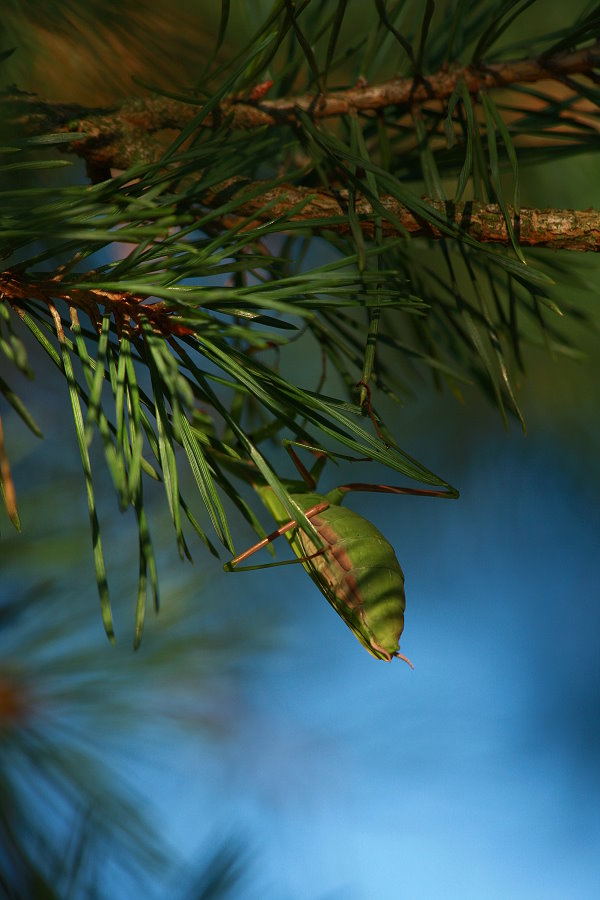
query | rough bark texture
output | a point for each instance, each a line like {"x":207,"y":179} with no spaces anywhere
{"x":129,"y":133}
{"x":122,"y":135}
{"x":127,"y":309}
{"x":561,"y":229}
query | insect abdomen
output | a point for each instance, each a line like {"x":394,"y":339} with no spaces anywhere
{"x":359,"y":575}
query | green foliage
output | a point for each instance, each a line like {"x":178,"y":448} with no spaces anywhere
{"x":192,"y":306}
{"x":76,"y":726}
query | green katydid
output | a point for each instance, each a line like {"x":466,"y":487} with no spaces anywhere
{"x":356,"y":568}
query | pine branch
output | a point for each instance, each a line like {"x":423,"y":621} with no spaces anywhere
{"x":179,"y":267}
{"x":560,"y":229}
{"x":17,"y":288}
{"x":118,"y":137}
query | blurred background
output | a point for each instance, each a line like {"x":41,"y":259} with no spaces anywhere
{"x":251,"y":747}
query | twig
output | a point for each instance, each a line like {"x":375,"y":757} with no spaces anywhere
{"x":559,"y":229}
{"x":16,"y":288}
{"x":122,"y":135}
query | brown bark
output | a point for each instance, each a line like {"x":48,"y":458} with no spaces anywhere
{"x":407,"y":91}
{"x":128,"y":309}
{"x":560,"y":229}
{"x":554,"y":228}
{"x":120,"y":136}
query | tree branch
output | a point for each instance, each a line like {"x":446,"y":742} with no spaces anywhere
{"x":408,"y":91}
{"x":560,"y":229}
{"x":555,"y":228}
{"x":17,"y":288}
{"x":119,"y":136}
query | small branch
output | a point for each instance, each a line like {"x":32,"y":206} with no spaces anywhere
{"x":560,"y":229}
{"x":408,"y":91}
{"x":17,"y":288}
{"x":119,"y":136}
{"x":564,"y":229}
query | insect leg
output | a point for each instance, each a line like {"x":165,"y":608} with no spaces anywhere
{"x":313,"y":511}
{"x":450,"y":494}
{"x":365,"y":400}
{"x":310,"y":477}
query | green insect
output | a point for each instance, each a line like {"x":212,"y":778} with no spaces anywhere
{"x":356,"y":568}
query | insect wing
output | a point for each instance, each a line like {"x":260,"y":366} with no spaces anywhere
{"x":356,"y":570}
{"x":360,"y":577}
